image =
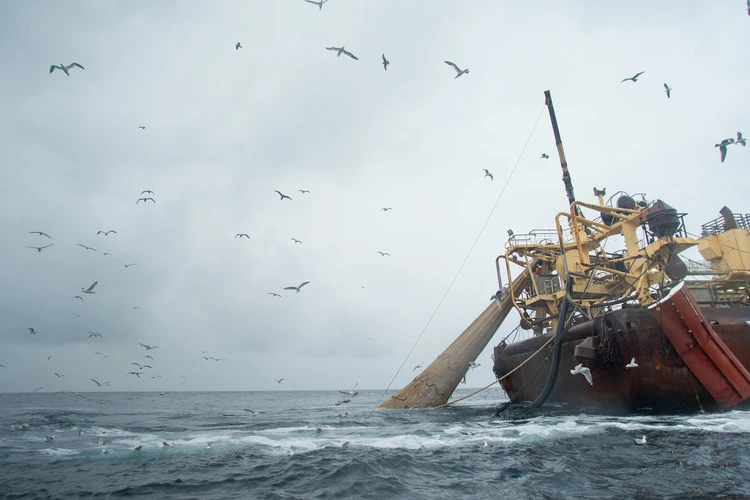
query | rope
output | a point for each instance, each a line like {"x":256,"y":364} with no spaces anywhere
{"x":471,"y":249}
{"x":498,"y":379}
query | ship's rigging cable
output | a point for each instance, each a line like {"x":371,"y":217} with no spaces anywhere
{"x":468,"y":254}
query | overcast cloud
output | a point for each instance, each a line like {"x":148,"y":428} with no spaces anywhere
{"x":225,"y":128}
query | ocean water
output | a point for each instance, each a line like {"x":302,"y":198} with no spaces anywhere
{"x":294,"y":447}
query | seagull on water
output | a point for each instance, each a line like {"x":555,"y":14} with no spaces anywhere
{"x":459,"y":71}
{"x":283,"y":195}
{"x":50,"y":438}
{"x":208,"y":445}
{"x":632,"y":364}
{"x":583,"y":370}
{"x":544,"y":156}
{"x":383,"y":254}
{"x":237,"y":46}
{"x":740,"y":139}
{"x":40,"y":233}
{"x":242,"y":235}
{"x":254,"y":413}
{"x":386,"y":62}
{"x":642,"y":440}
{"x":65,"y":68}
{"x":296,"y":240}
{"x":144,"y":200}
{"x":487,"y":173}
{"x":296,"y":287}
{"x":90,"y":289}
{"x":723,"y":147}
{"x":319,"y":3}
{"x":106,"y":233}
{"x":274,"y":294}
{"x":341,"y":50}
{"x":138,"y":448}
{"x":166,"y":445}
{"x":633,"y":78}
{"x":667,"y":90}
{"x":39,"y":249}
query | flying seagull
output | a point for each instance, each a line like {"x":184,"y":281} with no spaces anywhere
{"x":58,"y":375}
{"x":341,"y":50}
{"x":144,"y":200}
{"x":296,"y":240}
{"x":242,"y":235}
{"x":386,"y":62}
{"x":303,"y":191}
{"x":417,"y":367}
{"x":148,"y":347}
{"x":65,"y":68}
{"x":40,"y":233}
{"x":487,"y":173}
{"x":106,"y":233}
{"x":583,"y":371}
{"x":383,"y":254}
{"x":96,"y":382}
{"x":283,"y":195}
{"x":32,"y":332}
{"x":319,"y":3}
{"x":459,"y":71}
{"x":274,"y":294}
{"x":279,"y":380}
{"x":94,"y":334}
{"x":90,"y":289}
{"x":633,"y":78}
{"x":296,"y":287}
{"x":386,"y":209}
{"x":39,"y":249}
{"x":237,"y":46}
{"x":137,"y":374}
{"x":127,"y":265}
{"x":149,"y":357}
{"x":632,"y":364}
{"x":740,"y":139}
{"x":544,"y":156}
{"x":667,"y":90}
{"x":142,"y":127}
{"x":723,"y":147}
{"x":85,"y":247}
{"x":147,"y":191}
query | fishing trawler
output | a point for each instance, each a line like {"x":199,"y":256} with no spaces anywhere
{"x":615,"y":317}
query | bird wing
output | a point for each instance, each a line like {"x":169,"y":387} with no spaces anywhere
{"x":52,"y":68}
{"x":458,"y":70}
{"x":92,"y":286}
{"x":386,"y":60}
{"x":327,"y":48}
{"x":638,"y":74}
{"x":76,"y":65}
{"x":290,"y":288}
{"x":723,"y":150}
{"x":666,"y":87}
{"x":351,"y":55}
{"x":303,"y":284}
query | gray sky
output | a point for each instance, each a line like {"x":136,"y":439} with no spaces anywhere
{"x":225,"y":128}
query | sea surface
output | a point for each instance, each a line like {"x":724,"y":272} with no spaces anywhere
{"x":303,"y":445}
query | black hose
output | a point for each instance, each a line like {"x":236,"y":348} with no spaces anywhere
{"x":556,"y":351}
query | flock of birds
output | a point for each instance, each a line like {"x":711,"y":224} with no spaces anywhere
{"x":148,"y":195}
